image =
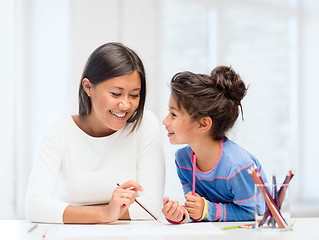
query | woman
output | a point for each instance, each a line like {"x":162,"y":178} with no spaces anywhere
{"x":111,"y":141}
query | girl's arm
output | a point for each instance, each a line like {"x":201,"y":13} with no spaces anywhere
{"x":242,"y":207}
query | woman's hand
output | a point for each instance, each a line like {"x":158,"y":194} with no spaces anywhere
{"x":123,"y":196}
{"x":194,"y":205}
{"x":172,"y":210}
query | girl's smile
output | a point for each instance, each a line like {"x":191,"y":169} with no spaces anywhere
{"x":180,"y":126}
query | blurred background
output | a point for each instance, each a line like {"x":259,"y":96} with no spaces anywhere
{"x":272,"y":44}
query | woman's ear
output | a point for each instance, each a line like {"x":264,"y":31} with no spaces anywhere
{"x":87,"y":86}
{"x":205,"y":124}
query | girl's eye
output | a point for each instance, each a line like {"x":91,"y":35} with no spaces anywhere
{"x":173,"y":114}
{"x":115,"y":94}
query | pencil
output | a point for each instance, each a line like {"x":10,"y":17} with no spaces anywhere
{"x":275,"y":195}
{"x":145,"y":208}
{"x":267,"y":196}
{"x":281,"y":194}
{"x":32,"y":228}
{"x":45,"y":233}
{"x":194,"y":174}
{"x":231,"y":227}
{"x":250,"y":225}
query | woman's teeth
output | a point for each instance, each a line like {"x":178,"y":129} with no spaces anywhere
{"x":120,"y":115}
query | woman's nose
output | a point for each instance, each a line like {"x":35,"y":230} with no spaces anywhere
{"x":125,"y":104}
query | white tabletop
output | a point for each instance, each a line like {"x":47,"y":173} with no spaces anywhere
{"x":304,"y":228}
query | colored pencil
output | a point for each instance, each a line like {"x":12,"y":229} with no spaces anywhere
{"x":45,"y":233}
{"x":32,"y":228}
{"x":239,"y":226}
{"x":275,"y":195}
{"x":145,"y":208}
{"x":267,"y":196}
{"x":281,"y":194}
{"x":194,"y":174}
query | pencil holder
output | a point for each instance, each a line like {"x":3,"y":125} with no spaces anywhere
{"x":272,"y":210}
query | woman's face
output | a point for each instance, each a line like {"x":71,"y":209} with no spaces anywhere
{"x":113,"y":102}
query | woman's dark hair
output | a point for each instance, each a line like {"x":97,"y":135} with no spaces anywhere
{"x":108,"y":61}
{"x":217,"y":96}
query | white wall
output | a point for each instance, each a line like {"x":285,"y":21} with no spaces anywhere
{"x":7,"y":100}
{"x":274,"y":48}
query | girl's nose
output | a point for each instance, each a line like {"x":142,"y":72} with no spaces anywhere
{"x":165,"y":121}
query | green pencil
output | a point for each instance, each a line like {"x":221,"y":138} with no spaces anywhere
{"x":249,"y":225}
{"x":231,"y":227}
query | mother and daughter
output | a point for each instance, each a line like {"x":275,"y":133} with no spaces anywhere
{"x":84,"y":161}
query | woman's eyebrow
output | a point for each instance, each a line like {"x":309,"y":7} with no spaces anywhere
{"x":120,"y":88}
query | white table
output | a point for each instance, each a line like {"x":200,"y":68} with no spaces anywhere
{"x":304,"y":229}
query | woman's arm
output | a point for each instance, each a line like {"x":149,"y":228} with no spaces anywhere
{"x":111,"y":212}
{"x":151,"y":169}
{"x":40,"y":203}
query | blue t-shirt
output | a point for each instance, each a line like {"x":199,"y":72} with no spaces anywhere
{"x":228,"y":187}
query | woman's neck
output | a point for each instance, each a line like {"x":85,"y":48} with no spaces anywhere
{"x":207,"y":153}
{"x":90,"y":127}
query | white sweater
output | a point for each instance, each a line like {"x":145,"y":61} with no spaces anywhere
{"x":75,"y":168}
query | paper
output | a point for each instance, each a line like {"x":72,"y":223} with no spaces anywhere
{"x":139,"y":229}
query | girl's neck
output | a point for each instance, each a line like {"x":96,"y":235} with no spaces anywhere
{"x":207,"y":153}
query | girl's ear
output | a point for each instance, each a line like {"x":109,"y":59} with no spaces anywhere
{"x":205,"y":124}
{"x":87,"y":86}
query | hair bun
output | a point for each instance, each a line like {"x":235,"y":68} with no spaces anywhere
{"x":229,"y":83}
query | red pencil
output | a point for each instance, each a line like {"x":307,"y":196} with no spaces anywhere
{"x":269,"y":200}
{"x":145,"y":208}
{"x":281,"y":194}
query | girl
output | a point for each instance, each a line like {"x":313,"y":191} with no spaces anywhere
{"x":212,"y":169}
{"x":112,"y":140}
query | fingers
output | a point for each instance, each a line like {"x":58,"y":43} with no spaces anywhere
{"x":195,"y":205}
{"x":127,"y":191}
{"x":192,"y":198}
{"x":188,"y":194}
{"x":132,"y":186}
{"x":172,"y":210}
{"x":165,"y":200}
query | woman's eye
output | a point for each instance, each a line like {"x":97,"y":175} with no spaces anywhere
{"x":115,"y":94}
{"x":135,"y":95}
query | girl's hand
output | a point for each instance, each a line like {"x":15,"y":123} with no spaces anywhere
{"x":194,"y":205}
{"x":172,"y":210}
{"x":123,"y":196}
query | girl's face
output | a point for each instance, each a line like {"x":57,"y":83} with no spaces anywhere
{"x":113,"y":102}
{"x":182,"y":129}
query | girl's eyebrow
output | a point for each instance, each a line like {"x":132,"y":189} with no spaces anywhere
{"x":173,"y":108}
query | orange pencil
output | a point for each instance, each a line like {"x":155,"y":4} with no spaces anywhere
{"x":269,"y":200}
{"x":44,"y":234}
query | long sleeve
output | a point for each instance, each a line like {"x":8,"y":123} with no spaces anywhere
{"x":42,"y":185}
{"x":242,"y":207}
{"x":228,"y":189}
{"x":151,"y":170}
{"x":73,"y":168}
